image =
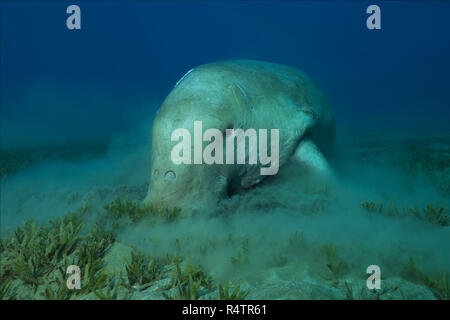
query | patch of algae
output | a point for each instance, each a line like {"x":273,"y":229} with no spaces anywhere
{"x":432,"y":213}
{"x":35,"y":258}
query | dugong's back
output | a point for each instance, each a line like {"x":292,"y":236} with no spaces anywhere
{"x":275,"y":95}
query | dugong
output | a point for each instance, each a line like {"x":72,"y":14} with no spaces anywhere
{"x":228,"y":95}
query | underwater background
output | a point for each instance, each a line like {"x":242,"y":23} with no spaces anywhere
{"x":75,"y":130}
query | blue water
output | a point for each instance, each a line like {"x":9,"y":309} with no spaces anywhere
{"x":128,"y":55}
{"x":75,"y":135}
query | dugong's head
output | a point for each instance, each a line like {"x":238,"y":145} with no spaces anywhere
{"x":189,"y":185}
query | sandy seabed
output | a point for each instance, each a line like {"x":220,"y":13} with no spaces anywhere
{"x":291,"y":237}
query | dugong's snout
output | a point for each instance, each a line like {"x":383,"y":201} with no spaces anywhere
{"x":179,"y":186}
{"x":163,"y":189}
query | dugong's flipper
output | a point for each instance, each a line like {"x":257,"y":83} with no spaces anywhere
{"x":308,"y":155}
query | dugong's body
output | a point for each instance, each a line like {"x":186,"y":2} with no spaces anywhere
{"x":237,"y":94}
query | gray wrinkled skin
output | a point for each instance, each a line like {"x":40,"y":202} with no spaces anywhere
{"x":236,"y":94}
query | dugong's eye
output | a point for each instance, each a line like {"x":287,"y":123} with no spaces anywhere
{"x":170,"y":175}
